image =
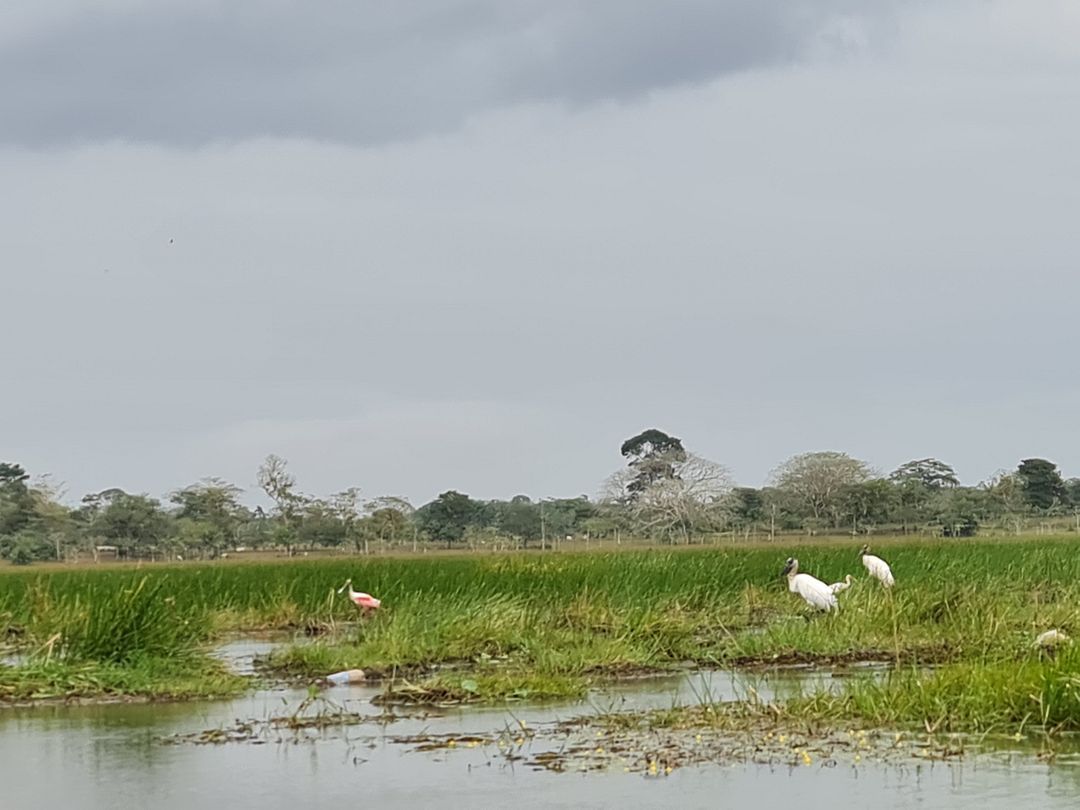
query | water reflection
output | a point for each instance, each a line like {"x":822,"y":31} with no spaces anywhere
{"x":111,"y":756}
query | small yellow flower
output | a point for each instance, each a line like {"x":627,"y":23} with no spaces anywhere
{"x":697,"y":738}
{"x":858,"y":759}
{"x":599,"y":749}
{"x":668,"y":769}
{"x":451,"y":743}
{"x":782,"y":739}
{"x":519,"y":741}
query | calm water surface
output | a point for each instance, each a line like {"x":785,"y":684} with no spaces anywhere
{"x":112,"y":757}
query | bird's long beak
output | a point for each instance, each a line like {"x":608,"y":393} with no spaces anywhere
{"x":343,"y":587}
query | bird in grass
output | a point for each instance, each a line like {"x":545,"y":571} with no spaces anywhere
{"x":836,"y":587}
{"x":878,"y":568}
{"x":813,"y":591}
{"x":364,"y":601}
{"x":1050,"y":639}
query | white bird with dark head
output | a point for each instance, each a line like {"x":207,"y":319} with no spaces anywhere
{"x":813,"y":591}
{"x":836,"y":587}
{"x":878,"y":568}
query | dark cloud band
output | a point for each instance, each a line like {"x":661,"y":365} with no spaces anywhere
{"x":370,"y":72}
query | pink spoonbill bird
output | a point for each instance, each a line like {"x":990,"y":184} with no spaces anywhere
{"x":364,"y":601}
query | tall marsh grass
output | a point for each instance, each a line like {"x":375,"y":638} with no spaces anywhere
{"x":114,"y":622}
{"x":574,"y":612}
{"x":968,"y":695}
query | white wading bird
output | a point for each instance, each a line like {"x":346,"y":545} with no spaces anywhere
{"x":836,"y":587}
{"x":364,"y":601}
{"x":1050,"y":639}
{"x":878,"y":568}
{"x":813,"y":591}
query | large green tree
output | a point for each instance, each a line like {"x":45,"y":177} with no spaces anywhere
{"x":132,"y":523}
{"x":209,"y":514}
{"x":1072,"y":492}
{"x":917,"y":484}
{"x":929,"y":472}
{"x":867,"y":503}
{"x":520,"y":518}
{"x":16,"y":500}
{"x":652,"y":456}
{"x":447,"y":517}
{"x":563,"y":516}
{"x":319,"y":524}
{"x":1042,"y":484}
{"x":960,"y":510}
{"x":746,"y":508}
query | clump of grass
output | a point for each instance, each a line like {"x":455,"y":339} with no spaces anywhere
{"x":139,"y":620}
{"x":966,"y":696}
{"x":149,"y":678}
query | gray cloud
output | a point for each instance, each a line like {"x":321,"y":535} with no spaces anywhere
{"x":875,"y":255}
{"x":369,"y":72}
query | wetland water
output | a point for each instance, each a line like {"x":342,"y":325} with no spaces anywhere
{"x":120,"y":756}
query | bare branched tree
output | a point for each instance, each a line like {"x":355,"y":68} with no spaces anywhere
{"x":279,"y":485}
{"x":389,"y":517}
{"x":349,"y":509}
{"x":690,"y":502}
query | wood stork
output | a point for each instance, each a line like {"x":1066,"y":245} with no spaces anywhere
{"x":813,"y":591}
{"x":364,"y":601}
{"x":836,"y":587}
{"x":878,"y":568}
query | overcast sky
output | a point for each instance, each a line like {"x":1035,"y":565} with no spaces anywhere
{"x":475,"y":244}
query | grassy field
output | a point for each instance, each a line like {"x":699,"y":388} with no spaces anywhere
{"x":475,"y":627}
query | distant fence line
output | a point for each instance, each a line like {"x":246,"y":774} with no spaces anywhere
{"x":504,"y":543}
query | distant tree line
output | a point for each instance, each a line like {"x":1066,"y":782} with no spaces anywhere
{"x":663,"y":493}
